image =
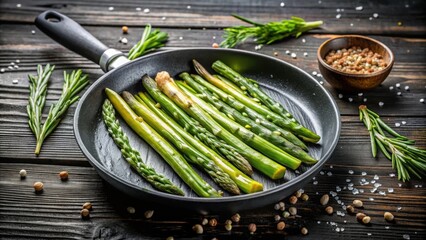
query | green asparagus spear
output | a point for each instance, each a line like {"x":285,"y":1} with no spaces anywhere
{"x":132,"y":156}
{"x":189,"y":152}
{"x":196,"y":129}
{"x":167,"y":151}
{"x":255,"y":141}
{"x":286,"y":123}
{"x":247,"y":122}
{"x":252,"y":114}
{"x":265,"y":165}
{"x":245,"y":183}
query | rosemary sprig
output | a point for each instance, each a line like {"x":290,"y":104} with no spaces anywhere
{"x":150,"y":40}
{"x":406,"y":159}
{"x":266,"y":33}
{"x":73,"y":84}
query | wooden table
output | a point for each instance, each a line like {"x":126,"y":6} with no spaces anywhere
{"x":56,"y":212}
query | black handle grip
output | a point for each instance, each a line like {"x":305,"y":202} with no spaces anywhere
{"x":70,"y":34}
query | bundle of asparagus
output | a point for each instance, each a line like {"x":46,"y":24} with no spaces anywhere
{"x":216,"y":124}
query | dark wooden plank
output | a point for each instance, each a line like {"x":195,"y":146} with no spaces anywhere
{"x":216,"y":14}
{"x":409,"y":69}
{"x":55,"y":212}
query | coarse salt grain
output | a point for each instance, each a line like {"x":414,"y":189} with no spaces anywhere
{"x":370,"y":18}
{"x":399,"y":93}
{"x":363,"y":174}
{"x":10,"y":67}
{"x":321,"y":172}
{"x":406,"y":237}
{"x":33,"y":32}
{"x":340,"y":95}
{"x":375,"y":15}
{"x":293,"y":55}
{"x":391,"y":174}
{"x":138,"y":9}
{"x":287,"y":52}
{"x":398,"y":209}
{"x":180,"y":38}
{"x":2,"y":70}
{"x":321,"y":82}
{"x":422,"y":100}
{"x":381,"y":104}
{"x":351,"y":24}
{"x":282,"y":4}
{"x":390,"y":190}
{"x":15,"y":81}
{"x":146,"y":10}
{"x":348,"y":180}
{"x":188,"y":7}
{"x":18,"y":5}
{"x":386,"y":227}
{"x":371,"y":199}
{"x":110,"y":8}
{"x":397,"y":124}
{"x":351,"y":172}
{"x":376,"y":177}
{"x":360,"y":94}
{"x":398,"y":85}
{"x":305,"y":54}
{"x":163,"y":18}
{"x":407,"y":88}
{"x":338,"y":16}
{"x":124,"y":40}
{"x":359,"y":8}
{"x":364,"y":100}
{"x":303,"y":40}
{"x":314,"y":73}
{"x":319,"y":75}
{"x":390,"y":87}
{"x":315,"y":183}
{"x":403,"y":122}
{"x":350,"y":99}
{"x":329,"y":174}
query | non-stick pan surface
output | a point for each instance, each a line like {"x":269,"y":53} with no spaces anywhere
{"x":301,"y":94}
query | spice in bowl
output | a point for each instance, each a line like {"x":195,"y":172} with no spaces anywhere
{"x":355,"y":60}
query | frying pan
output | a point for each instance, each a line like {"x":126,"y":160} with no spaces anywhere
{"x":301,"y":94}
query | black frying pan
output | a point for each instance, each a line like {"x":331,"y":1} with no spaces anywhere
{"x":301,"y":94}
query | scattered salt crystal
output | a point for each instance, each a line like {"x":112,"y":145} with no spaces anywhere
{"x":350,"y":99}
{"x":350,"y":184}
{"x":345,"y":221}
{"x":399,"y":184}
{"x":18,"y":61}
{"x":399,"y":93}
{"x":315,"y":183}
{"x":391,"y":88}
{"x":258,"y":47}
{"x":338,"y":189}
{"x":138,"y":9}
{"x":319,"y":75}
{"x":146,"y":10}
{"x":303,"y":40}
{"x":180,"y":38}
{"x":10,"y":67}
{"x":333,"y":194}
{"x":381,"y":104}
{"x":110,"y":8}
{"x":407,"y":6}
{"x":350,"y":171}
{"x":359,"y":8}
{"x":188,"y":7}
{"x":383,"y":193}
{"x":375,"y":15}
{"x":376,"y":185}
{"x":391,"y":174}
{"x":361,"y":191}
{"x":33,"y":32}
{"x":407,"y":88}
{"x":398,"y":85}
{"x":338,"y":16}
{"x":390,"y":190}
{"x":305,"y":54}
{"x":282,"y":4}
{"x":422,"y":100}
{"x":351,"y":24}
{"x":404,"y":122}
{"x":360,"y":94}
{"x":406,"y":237}
{"x":287,"y":52}
{"x":355,"y":191}
{"x":331,"y":166}
{"x":163,"y":18}
{"x":318,"y":222}
{"x":373,"y":190}
{"x":363,"y":174}
{"x":314,"y":73}
{"x":348,"y":180}
{"x":329,"y":174}
{"x":373,"y":181}
{"x":293,"y":55}
{"x":369,"y":234}
{"x":376,"y":177}
{"x":342,"y":229}
{"x":398,"y":209}
{"x":2,"y":70}
{"x":397,"y":124}
{"x":322,"y":172}
{"x":319,"y":2}
{"x":386,"y":227}
{"x":370,"y":18}
{"x":15,"y":81}
{"x":321,"y":82}
{"x":337,"y":229}
{"x":18,"y":5}
{"x":124,"y":40}
{"x":371,"y":199}
{"x":12,"y":63}
{"x":340,"y":96}
{"x":297,"y":171}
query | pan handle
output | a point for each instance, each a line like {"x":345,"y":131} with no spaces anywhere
{"x":73,"y":36}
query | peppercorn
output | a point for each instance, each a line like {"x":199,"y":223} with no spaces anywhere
{"x":38,"y":187}
{"x":280,"y":226}
{"x":228,"y":227}
{"x":388,"y":216}
{"x":350,"y":209}
{"x":252,"y":228}
{"x":131,"y":210}
{"x":198,"y":229}
{"x":282,"y":206}
{"x":293,"y":199}
{"x":324,"y":199}
{"x":292,"y":211}
{"x":304,"y":231}
{"x":298,"y":193}
{"x":215,"y":45}
{"x":213,"y":222}
{"x":305,"y":197}
{"x":286,"y":214}
{"x":63,"y":175}
{"x":23,"y":173}
{"x":228,"y":221}
{"x":360,"y":216}
{"x":357,"y":203}
{"x":277,"y":217}
{"x":87,"y":205}
{"x":85,"y":213}
{"x":236,"y":217}
{"x":329,"y":210}
{"x":170,"y":238}
{"x":125,"y":29}
{"x":366,"y":220}
{"x":204,"y":221}
{"x":148,"y":214}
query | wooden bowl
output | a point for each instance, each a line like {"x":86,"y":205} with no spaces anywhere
{"x":351,"y":82}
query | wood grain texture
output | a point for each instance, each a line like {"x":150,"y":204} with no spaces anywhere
{"x":55,"y":212}
{"x":216,"y":14}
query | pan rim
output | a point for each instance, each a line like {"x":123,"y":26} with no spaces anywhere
{"x":99,"y":167}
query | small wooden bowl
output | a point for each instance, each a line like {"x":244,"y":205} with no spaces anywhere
{"x":351,"y":82}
